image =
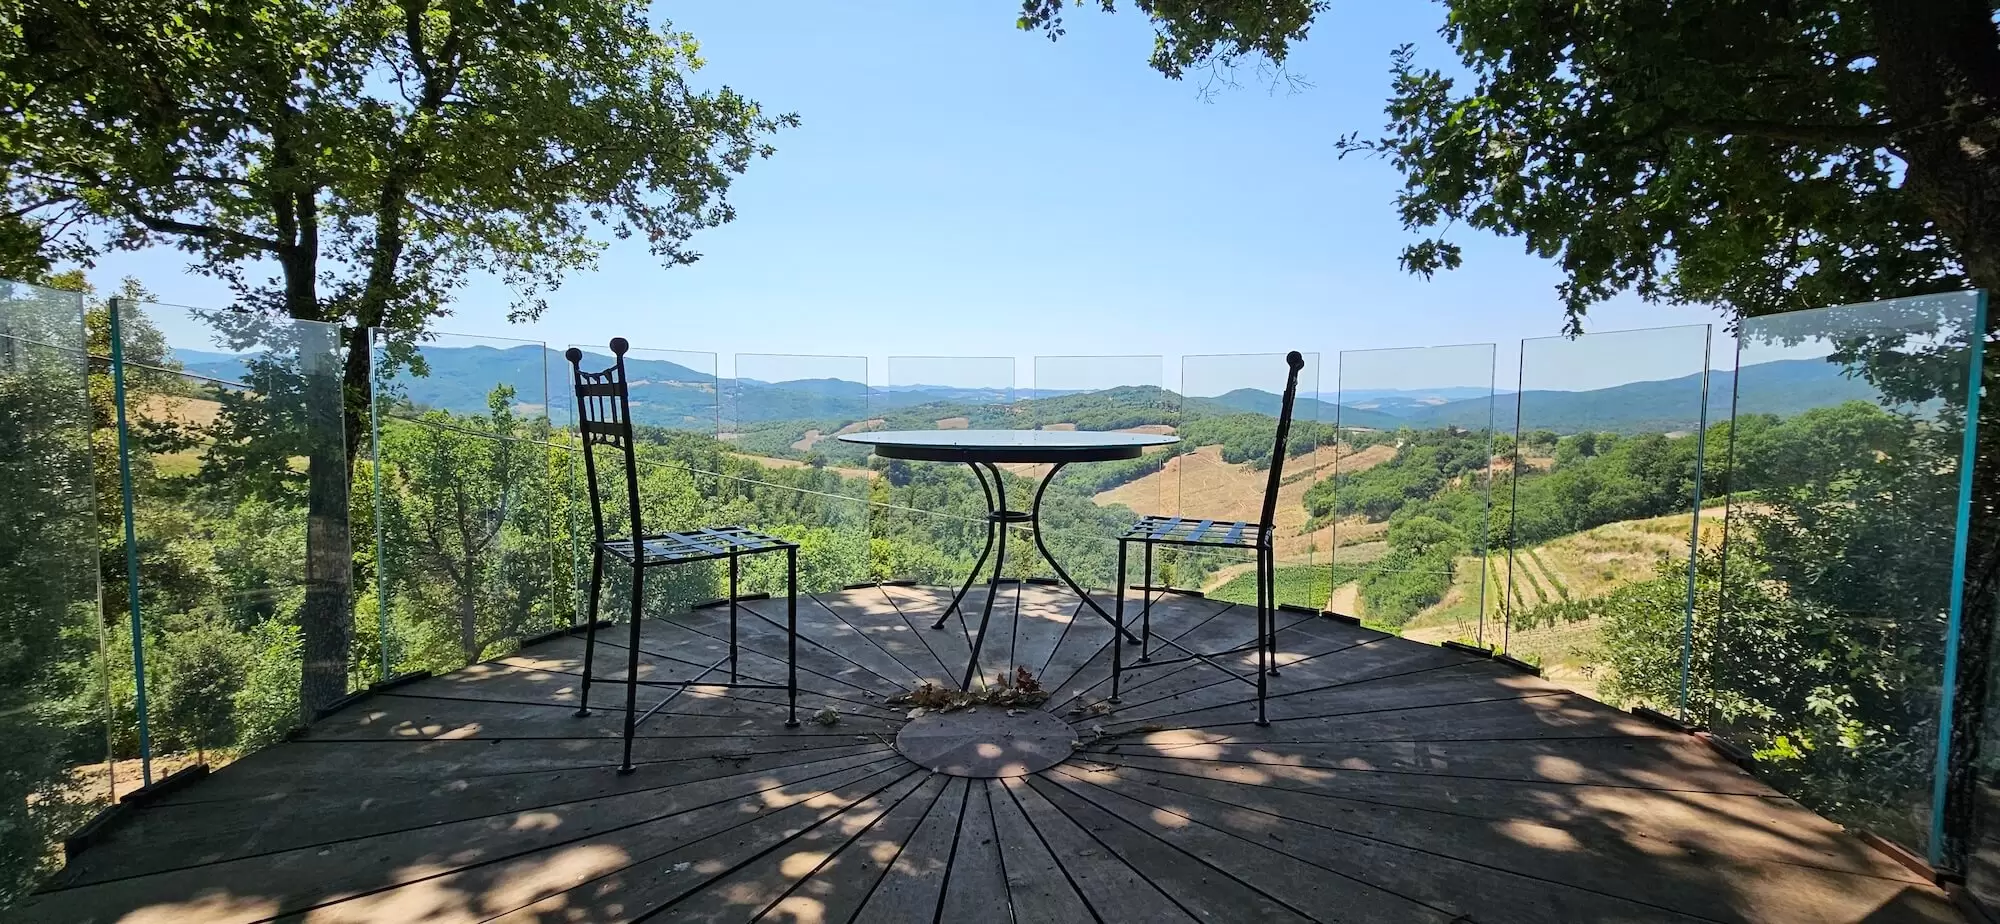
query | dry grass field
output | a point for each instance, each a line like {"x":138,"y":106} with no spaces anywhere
{"x":1580,"y":566}
{"x":1200,"y":483}
{"x":196,"y":412}
{"x":773,"y":462}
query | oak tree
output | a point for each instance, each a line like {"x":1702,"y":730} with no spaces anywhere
{"x":357,"y":164}
{"x":1757,"y":156}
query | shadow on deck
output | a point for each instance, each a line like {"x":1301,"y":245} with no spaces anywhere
{"x":1397,"y":782}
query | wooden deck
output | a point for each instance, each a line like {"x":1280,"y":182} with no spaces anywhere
{"x":1397,"y":782}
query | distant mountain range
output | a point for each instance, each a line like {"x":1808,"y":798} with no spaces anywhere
{"x":669,"y":394}
{"x":1783,"y":387}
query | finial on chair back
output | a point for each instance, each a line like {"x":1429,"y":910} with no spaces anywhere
{"x":619,"y":346}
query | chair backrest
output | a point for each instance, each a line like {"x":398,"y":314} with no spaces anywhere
{"x":604,"y":417}
{"x":1295,"y":362}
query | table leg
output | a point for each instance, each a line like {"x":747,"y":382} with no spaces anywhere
{"x":997,"y":519}
{"x":1035,"y":526}
{"x":973,"y":575}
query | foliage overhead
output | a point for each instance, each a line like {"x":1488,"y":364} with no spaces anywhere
{"x":1201,"y":33}
{"x":1761,"y":157}
{"x":373,"y":155}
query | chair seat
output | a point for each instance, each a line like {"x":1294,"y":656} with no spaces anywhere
{"x":709,"y":542}
{"x":1234,"y":534}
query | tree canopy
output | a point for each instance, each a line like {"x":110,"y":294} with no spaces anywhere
{"x":356,"y":164}
{"x":1757,"y":156}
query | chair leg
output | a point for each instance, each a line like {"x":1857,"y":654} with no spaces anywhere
{"x":632,"y":668}
{"x":1146,"y":609}
{"x":1118,"y":627}
{"x":1263,"y":647}
{"x":732,"y":619}
{"x":792,"y":634}
{"x":590,"y":629}
{"x":1271,"y":569}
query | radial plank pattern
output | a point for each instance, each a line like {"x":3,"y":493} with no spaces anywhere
{"x":1395,"y":782}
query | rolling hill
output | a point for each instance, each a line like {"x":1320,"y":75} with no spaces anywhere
{"x":1782,"y":387}
{"x":670,"y":394}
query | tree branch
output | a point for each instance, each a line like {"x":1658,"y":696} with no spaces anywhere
{"x":205,"y":232}
{"x":1848,"y":135}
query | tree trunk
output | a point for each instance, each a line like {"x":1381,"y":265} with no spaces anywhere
{"x":468,"y":623}
{"x":1940,"y":67}
{"x":326,"y":625}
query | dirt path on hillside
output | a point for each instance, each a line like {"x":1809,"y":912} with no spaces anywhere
{"x":1225,"y":574}
{"x":1346,"y":599}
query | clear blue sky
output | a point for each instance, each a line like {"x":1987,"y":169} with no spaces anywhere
{"x":960,"y":187}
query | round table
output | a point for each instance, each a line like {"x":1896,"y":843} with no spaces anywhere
{"x":989,"y":448}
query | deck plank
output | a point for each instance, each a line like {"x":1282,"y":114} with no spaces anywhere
{"x":416,"y":719}
{"x":910,"y":890}
{"x":1757,"y":825}
{"x":761,"y":649}
{"x":642,"y":872}
{"x":836,"y":890}
{"x":952,"y":644}
{"x":156,"y":841}
{"x":757,"y":886}
{"x":909,"y":664}
{"x":1038,"y":887}
{"x":977,"y":888}
{"x":1046,"y":619}
{"x":1308,"y":659}
{"x":1173,"y":616}
{"x":1082,"y":640}
{"x":538,"y":687}
{"x":918,"y":608}
{"x":761,"y":628}
{"x":1186,"y":873}
{"x":1114,"y":890}
{"x":311,"y":877}
{"x":1397,"y":781}
{"x":877,"y":619}
{"x":1443,"y":684}
{"x":1407,"y":884}
{"x":1186,"y":693}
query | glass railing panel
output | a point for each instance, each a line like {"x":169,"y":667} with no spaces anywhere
{"x":788,"y":471}
{"x":927,"y":522}
{"x":949,"y":392}
{"x":240,"y":494}
{"x":471,"y":500}
{"x":1095,"y":501}
{"x":1228,"y":427}
{"x":55,"y":682}
{"x":1599,"y":486}
{"x":1406,"y":508}
{"x":1843,"y":565}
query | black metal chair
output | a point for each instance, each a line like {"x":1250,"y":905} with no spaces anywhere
{"x":604,"y":416}
{"x":1154,"y":531}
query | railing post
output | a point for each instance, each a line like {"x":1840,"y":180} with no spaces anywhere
{"x":375,"y":476}
{"x":1694,"y":530}
{"x":1948,"y":687}
{"x":116,"y":307}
